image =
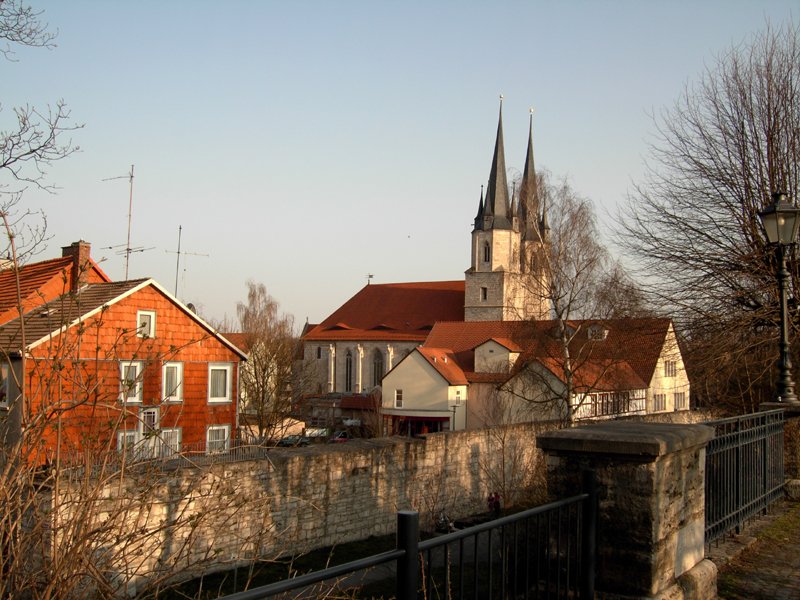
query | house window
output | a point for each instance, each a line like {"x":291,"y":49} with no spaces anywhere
{"x":4,"y":385}
{"x":377,"y":367}
{"x":219,"y":382}
{"x":130,"y":381}
{"x":170,"y":442}
{"x":172,"y":382}
{"x":348,"y":372}
{"x":659,"y":402}
{"x":398,"y":398}
{"x":319,"y":352}
{"x":458,"y":397}
{"x":148,"y":420}
{"x":680,"y":400}
{"x":146,"y":323}
{"x":484,"y":294}
{"x":669,"y":368}
{"x":126,"y":440}
{"x":487,"y":252}
{"x":217,"y":438}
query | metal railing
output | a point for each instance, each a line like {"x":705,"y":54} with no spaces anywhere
{"x":744,"y":470}
{"x":544,"y":552}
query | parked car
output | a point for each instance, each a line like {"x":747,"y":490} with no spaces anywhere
{"x":294,"y":440}
{"x":339,"y":437}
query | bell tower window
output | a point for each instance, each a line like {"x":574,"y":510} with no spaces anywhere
{"x":487,"y":252}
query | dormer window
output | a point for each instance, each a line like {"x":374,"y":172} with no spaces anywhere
{"x":146,"y":323}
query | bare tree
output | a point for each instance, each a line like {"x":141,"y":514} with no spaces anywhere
{"x":580,"y":281}
{"x":27,"y":149}
{"x":266,"y":378}
{"x":729,"y":141}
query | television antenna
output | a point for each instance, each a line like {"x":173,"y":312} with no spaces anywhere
{"x":178,"y":261}
{"x":127,"y":250}
{"x":369,"y":277}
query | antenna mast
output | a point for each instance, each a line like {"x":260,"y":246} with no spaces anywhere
{"x":130,"y":213}
{"x":178,"y":260}
{"x":128,"y":250}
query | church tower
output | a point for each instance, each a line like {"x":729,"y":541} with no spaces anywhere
{"x":504,"y":281}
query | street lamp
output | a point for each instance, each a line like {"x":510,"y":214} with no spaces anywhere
{"x":781,"y":221}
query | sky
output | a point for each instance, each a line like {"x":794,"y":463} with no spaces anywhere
{"x":305,"y":145}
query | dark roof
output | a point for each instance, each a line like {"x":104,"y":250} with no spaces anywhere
{"x":33,"y":277}
{"x":393,"y":311}
{"x":48,"y":319}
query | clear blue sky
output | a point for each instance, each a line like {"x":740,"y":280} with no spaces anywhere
{"x":306,"y":144}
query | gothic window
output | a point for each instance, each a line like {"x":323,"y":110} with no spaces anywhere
{"x":348,"y":372}
{"x":377,"y":367}
{"x":487,"y":252}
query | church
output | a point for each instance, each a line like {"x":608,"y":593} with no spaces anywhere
{"x":381,"y":337}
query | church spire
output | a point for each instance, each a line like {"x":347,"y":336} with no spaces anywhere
{"x":528,"y":195}
{"x":496,"y":204}
{"x":479,"y":216}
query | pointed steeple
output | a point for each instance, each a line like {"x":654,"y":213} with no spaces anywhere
{"x":479,"y":216}
{"x":528,"y":195}
{"x":497,"y":192}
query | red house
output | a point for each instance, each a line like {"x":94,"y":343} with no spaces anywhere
{"x":99,"y":366}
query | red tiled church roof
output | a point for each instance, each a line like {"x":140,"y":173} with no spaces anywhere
{"x":393,"y":311}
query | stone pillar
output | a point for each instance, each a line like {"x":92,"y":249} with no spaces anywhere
{"x":390,"y":356}
{"x":331,"y":368}
{"x":651,"y":494}
{"x":359,"y":368}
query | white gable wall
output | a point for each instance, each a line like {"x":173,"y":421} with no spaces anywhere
{"x":669,"y":387}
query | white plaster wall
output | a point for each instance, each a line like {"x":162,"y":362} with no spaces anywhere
{"x":423,"y":388}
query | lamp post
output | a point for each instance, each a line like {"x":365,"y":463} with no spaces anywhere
{"x":781,"y":221}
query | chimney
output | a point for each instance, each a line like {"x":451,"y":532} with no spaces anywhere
{"x":80,"y":253}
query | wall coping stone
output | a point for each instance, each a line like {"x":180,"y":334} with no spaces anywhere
{"x":626,"y":438}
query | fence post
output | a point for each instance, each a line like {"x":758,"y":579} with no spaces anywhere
{"x":588,"y":535}
{"x":407,"y":580}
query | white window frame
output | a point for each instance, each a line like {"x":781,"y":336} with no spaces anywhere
{"x":175,"y":395}
{"x":659,"y":402}
{"x":170,"y":447}
{"x":670,"y":368}
{"x":124,"y":395}
{"x":398,"y":398}
{"x":5,"y":387}
{"x":228,"y":368}
{"x":132,"y":437}
{"x":679,"y":399}
{"x":227,"y":442}
{"x":150,"y":332}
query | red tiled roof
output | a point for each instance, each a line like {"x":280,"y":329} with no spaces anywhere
{"x":237,"y":339}
{"x":445,"y":363}
{"x":393,"y":311}
{"x":39,"y":282}
{"x":627,"y":355}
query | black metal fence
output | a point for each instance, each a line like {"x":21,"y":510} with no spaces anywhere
{"x":545,"y":552}
{"x":744,"y":470}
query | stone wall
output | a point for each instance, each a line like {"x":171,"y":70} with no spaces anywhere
{"x":159,"y":524}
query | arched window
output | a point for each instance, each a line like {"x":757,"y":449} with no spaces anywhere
{"x":348,"y":372}
{"x":487,"y":252}
{"x":377,"y":367}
